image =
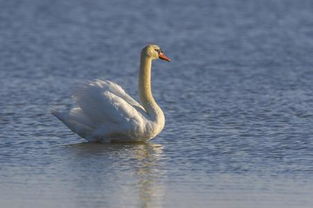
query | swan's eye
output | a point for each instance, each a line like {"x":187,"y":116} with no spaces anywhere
{"x":158,"y":50}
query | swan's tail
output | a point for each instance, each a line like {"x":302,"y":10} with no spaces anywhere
{"x":57,"y":114}
{"x":76,"y":121}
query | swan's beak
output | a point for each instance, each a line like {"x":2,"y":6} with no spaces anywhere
{"x":164,"y":57}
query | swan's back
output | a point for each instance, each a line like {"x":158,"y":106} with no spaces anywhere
{"x":104,"y":86}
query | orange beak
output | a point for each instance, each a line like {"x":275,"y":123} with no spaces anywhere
{"x":164,"y":57}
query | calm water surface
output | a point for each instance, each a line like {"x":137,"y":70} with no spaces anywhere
{"x":238,"y":99}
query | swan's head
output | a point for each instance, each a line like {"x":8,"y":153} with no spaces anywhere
{"x":155,"y":52}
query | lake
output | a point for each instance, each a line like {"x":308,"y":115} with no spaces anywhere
{"x":237,"y":98}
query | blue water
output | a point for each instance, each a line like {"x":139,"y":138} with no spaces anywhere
{"x":238,"y":100}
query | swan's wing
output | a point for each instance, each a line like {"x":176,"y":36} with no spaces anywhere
{"x":106,"y":85}
{"x":106,"y":103}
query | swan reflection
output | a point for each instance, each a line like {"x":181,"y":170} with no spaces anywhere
{"x":118,"y":174}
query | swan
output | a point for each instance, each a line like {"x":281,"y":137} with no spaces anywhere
{"x":106,"y":113}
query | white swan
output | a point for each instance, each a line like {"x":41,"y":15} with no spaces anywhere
{"x":106,"y":113}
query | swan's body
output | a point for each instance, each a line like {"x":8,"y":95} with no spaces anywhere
{"x":107,"y":113}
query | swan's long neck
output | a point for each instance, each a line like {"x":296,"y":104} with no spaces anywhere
{"x":147,"y":100}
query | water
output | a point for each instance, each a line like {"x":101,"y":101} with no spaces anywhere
{"x":237,"y":99}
